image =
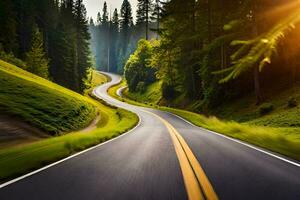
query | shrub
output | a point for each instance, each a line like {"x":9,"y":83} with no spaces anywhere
{"x":266,"y":108}
{"x":292,"y":103}
{"x":10,"y":58}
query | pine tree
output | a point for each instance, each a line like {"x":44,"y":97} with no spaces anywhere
{"x":114,"y":41}
{"x":62,"y":66}
{"x":63,"y":27}
{"x":105,"y":14}
{"x":62,"y":60}
{"x":8,"y":25}
{"x":99,"y":19}
{"x":144,"y":15}
{"x":97,"y":34}
{"x":157,"y":14}
{"x":36,"y":59}
{"x":91,"y":22}
{"x":82,"y":43}
{"x":26,"y":13}
{"x":105,"y":33}
{"x":126,"y":23}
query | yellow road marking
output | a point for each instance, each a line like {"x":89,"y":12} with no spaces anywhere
{"x":196,"y":182}
{"x":192,"y":185}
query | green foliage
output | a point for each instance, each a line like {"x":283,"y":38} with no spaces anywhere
{"x":126,"y":24}
{"x":138,"y":67}
{"x":10,"y":58}
{"x":259,"y":51}
{"x":232,"y":25}
{"x":8,"y":26}
{"x":62,"y":38}
{"x":143,"y":17}
{"x":36,"y":59}
{"x":152,"y":94}
{"x":199,"y":38}
{"x":266,"y":108}
{"x":282,"y":140}
{"x":164,"y":60}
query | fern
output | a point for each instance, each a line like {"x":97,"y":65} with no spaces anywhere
{"x":260,"y":50}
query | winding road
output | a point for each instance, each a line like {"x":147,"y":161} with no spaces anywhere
{"x":164,"y":157}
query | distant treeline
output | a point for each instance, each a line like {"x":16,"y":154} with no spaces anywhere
{"x":115,"y":35}
{"x":51,"y":34}
{"x":215,"y":51}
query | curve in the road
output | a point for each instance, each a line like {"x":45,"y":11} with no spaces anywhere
{"x":145,"y":165}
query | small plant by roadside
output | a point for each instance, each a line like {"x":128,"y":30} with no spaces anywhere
{"x":292,"y":103}
{"x":266,"y":108}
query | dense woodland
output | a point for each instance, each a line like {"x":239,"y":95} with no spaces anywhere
{"x":210,"y":52}
{"x":203,"y":52}
{"x":51,"y":36}
{"x":115,"y":33}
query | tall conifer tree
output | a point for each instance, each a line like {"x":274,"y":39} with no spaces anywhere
{"x":144,"y":15}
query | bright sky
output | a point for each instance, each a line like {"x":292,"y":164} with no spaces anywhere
{"x":94,"y":6}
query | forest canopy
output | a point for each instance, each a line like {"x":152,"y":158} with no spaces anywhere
{"x":210,"y":52}
{"x":50,"y":35}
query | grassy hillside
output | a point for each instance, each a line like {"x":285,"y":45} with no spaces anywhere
{"x":53,"y":109}
{"x":41,"y":153}
{"x":99,"y":79}
{"x":152,"y":94}
{"x":282,"y":115}
{"x":43,"y":104}
{"x":96,"y":79}
{"x":281,"y":139}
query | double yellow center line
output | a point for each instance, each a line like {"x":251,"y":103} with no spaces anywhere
{"x":197,"y":185}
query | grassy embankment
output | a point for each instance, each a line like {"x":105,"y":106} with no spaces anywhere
{"x":56,"y":110}
{"x":244,"y":110}
{"x":41,"y":103}
{"x":97,"y":79}
{"x":283,"y":140}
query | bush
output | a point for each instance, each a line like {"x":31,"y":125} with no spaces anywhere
{"x":292,"y":103}
{"x":10,"y":58}
{"x":266,"y":108}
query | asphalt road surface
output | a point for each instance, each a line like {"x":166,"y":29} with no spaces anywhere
{"x":149,"y":163}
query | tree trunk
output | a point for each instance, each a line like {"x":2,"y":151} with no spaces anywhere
{"x":257,"y":88}
{"x":147,"y":19}
{"x":209,"y":22}
{"x":158,"y":19}
{"x":170,"y":69}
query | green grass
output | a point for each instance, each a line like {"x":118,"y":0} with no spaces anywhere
{"x":99,"y":79}
{"x":285,"y":141}
{"x":244,"y":109}
{"x":96,"y":80}
{"x":42,"y":103}
{"x":20,"y":160}
{"x":152,"y":95}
